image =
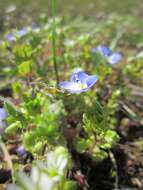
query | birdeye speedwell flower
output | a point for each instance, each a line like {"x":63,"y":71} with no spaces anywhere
{"x":79,"y":82}
{"x":18,"y":34}
{"x":112,"y":57}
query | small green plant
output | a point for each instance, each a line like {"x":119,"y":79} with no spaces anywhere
{"x":38,"y":119}
{"x":99,"y":137}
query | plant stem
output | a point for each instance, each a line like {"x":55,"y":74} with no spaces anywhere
{"x":7,"y":158}
{"x":53,"y":8}
{"x":112,"y":157}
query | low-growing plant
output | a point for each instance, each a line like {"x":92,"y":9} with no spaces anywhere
{"x":65,"y":92}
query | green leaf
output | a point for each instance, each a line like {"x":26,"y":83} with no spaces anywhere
{"x":16,"y":88}
{"x":81,"y":145}
{"x":70,"y":185}
{"x":10,"y":109}
{"x":25,"y":67}
{"x":110,"y":138}
{"x":38,"y":147}
{"x":22,"y":53}
{"x":98,"y":154}
{"x":29,"y":140}
{"x":13,"y":127}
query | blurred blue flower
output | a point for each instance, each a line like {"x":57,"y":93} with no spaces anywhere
{"x":79,"y":82}
{"x":19,"y":33}
{"x":103,"y":50}
{"x":10,"y":37}
{"x":3,"y":116}
{"x":21,"y":151}
{"x":22,"y":32}
{"x":112,"y":57}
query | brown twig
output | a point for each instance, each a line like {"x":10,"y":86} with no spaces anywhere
{"x":7,"y":158}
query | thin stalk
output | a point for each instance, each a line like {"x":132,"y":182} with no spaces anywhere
{"x":112,"y":157}
{"x":7,"y":158}
{"x":53,"y":8}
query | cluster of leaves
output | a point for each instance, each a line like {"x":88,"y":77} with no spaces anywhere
{"x":134,"y":69}
{"x":99,"y":136}
{"x":37,"y":120}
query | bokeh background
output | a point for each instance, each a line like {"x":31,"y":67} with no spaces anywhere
{"x":21,"y":12}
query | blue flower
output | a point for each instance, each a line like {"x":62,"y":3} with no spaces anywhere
{"x":19,"y":33}
{"x":10,"y":37}
{"x":112,"y":57}
{"x":3,"y":116}
{"x":21,"y":151}
{"x":79,"y":82}
{"x":22,"y":32}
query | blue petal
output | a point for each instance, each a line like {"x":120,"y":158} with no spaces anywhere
{"x":91,"y":80}
{"x":115,"y":58}
{"x":79,"y":82}
{"x":3,"y":114}
{"x":21,"y":151}
{"x":79,"y":77}
{"x":10,"y":37}
{"x":22,"y":32}
{"x":69,"y":86}
{"x":72,"y":87}
{"x":103,"y":50}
